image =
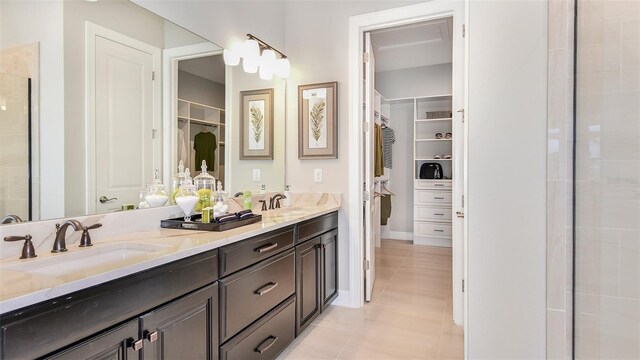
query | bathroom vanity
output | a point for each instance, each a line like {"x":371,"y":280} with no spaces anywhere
{"x":242,"y":295}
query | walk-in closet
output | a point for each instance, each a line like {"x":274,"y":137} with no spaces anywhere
{"x":201,"y":114}
{"x":414,"y":113}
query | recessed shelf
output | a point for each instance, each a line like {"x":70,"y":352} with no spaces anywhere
{"x":434,"y":97}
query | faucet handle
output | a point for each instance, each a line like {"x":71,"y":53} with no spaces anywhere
{"x":264,"y":205}
{"x":85,"y":240}
{"x":28,"y":251}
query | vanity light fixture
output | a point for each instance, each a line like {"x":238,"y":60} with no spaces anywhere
{"x":267,"y":63}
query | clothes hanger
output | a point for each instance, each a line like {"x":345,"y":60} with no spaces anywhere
{"x":384,"y":186}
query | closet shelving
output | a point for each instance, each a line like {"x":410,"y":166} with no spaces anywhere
{"x":426,"y":145}
{"x":193,"y":118}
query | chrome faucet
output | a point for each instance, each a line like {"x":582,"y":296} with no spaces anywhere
{"x":11,"y":218}
{"x":276,"y":198}
{"x":59,"y":244}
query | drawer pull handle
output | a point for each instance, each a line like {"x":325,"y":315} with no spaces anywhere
{"x":266,"y":344}
{"x":136,"y":345}
{"x":438,"y":198}
{"x":151,"y":336}
{"x":265,"y":289}
{"x":438,"y":230}
{"x":438,"y":214}
{"x":266,"y":248}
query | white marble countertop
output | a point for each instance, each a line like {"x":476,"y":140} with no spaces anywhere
{"x":20,"y":287}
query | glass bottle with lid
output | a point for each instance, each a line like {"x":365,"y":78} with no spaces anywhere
{"x":156,"y":195}
{"x":187,"y":197}
{"x":176,"y":181}
{"x":205,"y":186}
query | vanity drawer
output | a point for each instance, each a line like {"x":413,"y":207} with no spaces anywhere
{"x":432,"y":197}
{"x":250,"y":293}
{"x":431,"y":229}
{"x":238,"y":256}
{"x":314,"y":227}
{"x":433,"y":184}
{"x":266,"y":338}
{"x":428,"y":213}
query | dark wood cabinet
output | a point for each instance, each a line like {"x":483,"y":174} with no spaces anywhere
{"x":308,"y":278}
{"x":184,"y":329}
{"x":316,"y":272}
{"x":329,"y":260}
{"x":114,"y":344}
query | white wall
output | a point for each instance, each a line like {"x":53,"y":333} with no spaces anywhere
{"x":240,"y":172}
{"x":506,"y":199}
{"x":419,"y":81}
{"x":25,"y":22}
{"x":318,"y":44}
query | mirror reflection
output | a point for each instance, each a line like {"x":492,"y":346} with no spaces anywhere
{"x":96,"y":97}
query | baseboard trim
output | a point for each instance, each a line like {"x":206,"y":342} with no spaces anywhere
{"x":400,"y":235}
{"x":432,"y":242}
{"x":343,"y":299}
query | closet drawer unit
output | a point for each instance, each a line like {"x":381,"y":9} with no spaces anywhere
{"x":433,"y":184}
{"x":248,"y":294}
{"x":245,"y":253}
{"x":432,"y":197}
{"x":431,"y":229}
{"x":427,"y":213}
{"x":266,"y":338}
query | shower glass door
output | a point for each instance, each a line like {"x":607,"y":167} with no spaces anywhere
{"x":607,"y":181}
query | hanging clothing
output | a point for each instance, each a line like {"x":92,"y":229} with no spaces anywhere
{"x":378,"y":167}
{"x":385,"y":208}
{"x":205,"y":145}
{"x":182,"y":148}
{"x":388,"y":139}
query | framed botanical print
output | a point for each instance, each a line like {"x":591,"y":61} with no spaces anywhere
{"x":256,"y":124}
{"x":317,"y":121}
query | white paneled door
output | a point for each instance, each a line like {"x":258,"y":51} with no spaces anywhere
{"x":124,"y":118}
{"x":369,"y":186}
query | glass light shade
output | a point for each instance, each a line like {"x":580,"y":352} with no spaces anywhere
{"x":283,"y":68}
{"x":231,"y":57}
{"x":250,"y":49}
{"x":267,"y":64}
{"x":250,"y":65}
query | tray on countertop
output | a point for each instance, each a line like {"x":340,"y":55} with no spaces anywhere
{"x":197,"y":224}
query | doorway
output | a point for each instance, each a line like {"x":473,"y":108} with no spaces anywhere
{"x":361,"y":171}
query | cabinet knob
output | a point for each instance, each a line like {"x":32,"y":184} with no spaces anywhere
{"x":135,"y":344}
{"x":151,"y":336}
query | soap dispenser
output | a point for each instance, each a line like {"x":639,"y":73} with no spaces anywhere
{"x":286,"y":202}
{"x":157,"y":195}
{"x":205,"y":186}
{"x":187,"y":197}
{"x":176,"y":181}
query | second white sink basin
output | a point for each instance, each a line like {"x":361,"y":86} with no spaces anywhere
{"x":79,"y":259}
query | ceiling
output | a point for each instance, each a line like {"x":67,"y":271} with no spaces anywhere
{"x":208,"y":67}
{"x":415,"y":45}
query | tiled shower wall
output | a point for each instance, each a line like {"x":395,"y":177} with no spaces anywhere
{"x":607,"y":180}
{"x":559,"y":178}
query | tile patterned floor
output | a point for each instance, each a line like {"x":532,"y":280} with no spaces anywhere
{"x":410,"y":316}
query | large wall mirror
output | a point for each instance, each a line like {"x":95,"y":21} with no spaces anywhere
{"x":95,"y":96}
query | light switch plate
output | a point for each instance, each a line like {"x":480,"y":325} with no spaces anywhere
{"x":256,"y":174}
{"x":317,"y":175}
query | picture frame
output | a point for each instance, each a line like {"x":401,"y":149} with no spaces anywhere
{"x":256,"y":124}
{"x":318,"y":121}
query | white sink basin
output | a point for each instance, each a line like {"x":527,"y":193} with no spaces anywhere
{"x":79,"y":259}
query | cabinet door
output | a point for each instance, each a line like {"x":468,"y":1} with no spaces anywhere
{"x":307,"y":283}
{"x":115,"y":344}
{"x":329,"y":284}
{"x":184,"y":329}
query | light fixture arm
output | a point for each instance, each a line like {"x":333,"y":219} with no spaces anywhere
{"x":264,"y":44}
